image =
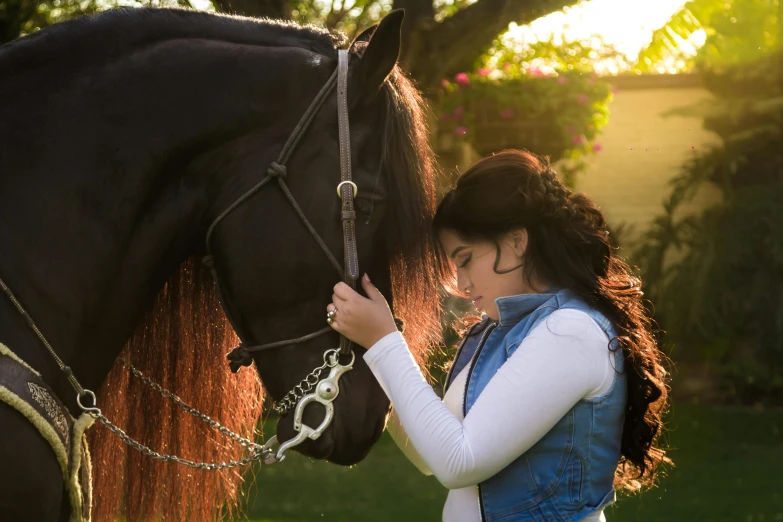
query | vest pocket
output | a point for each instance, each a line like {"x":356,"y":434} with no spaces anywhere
{"x":575,"y":479}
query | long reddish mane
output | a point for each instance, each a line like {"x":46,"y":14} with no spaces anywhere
{"x":181,"y":344}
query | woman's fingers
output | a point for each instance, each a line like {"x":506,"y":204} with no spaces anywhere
{"x":343,"y":291}
{"x":338,"y":301}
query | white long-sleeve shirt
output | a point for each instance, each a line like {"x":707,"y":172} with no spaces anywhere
{"x":564,"y":359}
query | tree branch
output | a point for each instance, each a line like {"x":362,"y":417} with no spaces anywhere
{"x":453,"y":45}
{"x":419,"y":17}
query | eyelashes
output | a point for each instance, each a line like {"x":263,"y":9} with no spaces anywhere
{"x":467,"y":260}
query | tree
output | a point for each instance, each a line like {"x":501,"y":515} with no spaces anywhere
{"x":440,"y":38}
{"x":257,"y":8}
{"x":724,"y":295}
{"x":19,"y":17}
{"x":735,"y":31}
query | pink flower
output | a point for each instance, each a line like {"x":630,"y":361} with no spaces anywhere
{"x":484,"y":71}
{"x":597,"y":147}
{"x":582,"y":98}
{"x":507,"y":65}
{"x":535,"y":71}
{"x":507,"y":113}
{"x":571,"y":129}
{"x":578,"y":139}
{"x":462,"y":79}
{"x":445,"y":83}
{"x":445,"y":117}
{"x":461,"y":131}
{"x":458,"y":112}
{"x":562,"y":80}
{"x":615,"y":90}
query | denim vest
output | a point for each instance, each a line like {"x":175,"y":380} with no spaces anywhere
{"x":568,"y":474}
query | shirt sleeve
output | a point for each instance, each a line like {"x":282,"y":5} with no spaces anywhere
{"x":398,"y":435}
{"x":561,"y":361}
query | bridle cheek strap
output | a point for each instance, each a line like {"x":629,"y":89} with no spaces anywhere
{"x":349,"y":271}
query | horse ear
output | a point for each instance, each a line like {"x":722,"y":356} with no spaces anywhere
{"x":365,"y":36}
{"x":381,"y":54}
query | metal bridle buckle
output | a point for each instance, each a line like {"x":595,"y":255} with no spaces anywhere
{"x":351,"y":183}
{"x":325,"y":393}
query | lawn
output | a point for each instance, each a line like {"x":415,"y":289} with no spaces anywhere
{"x":729,"y":466}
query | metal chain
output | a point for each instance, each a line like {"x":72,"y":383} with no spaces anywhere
{"x":263,"y":453}
{"x":258,"y":452}
{"x":290,"y":400}
{"x":245,"y":443}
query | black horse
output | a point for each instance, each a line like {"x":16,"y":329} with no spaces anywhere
{"x":122,"y":136}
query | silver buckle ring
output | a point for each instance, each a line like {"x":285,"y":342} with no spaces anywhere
{"x":92,"y":410}
{"x":351,"y":183}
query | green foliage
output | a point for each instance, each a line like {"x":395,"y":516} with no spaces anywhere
{"x":727,"y":469}
{"x":558,"y":114}
{"x":553,"y":54}
{"x":349,"y":17}
{"x":724,"y":293}
{"x":20,"y":17}
{"x":737,"y":31}
{"x":355,"y":16}
{"x":446,"y":8}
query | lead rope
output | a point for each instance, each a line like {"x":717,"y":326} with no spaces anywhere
{"x":65,"y":369}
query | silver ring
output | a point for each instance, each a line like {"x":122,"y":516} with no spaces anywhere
{"x":92,"y":410}
{"x":352,"y":184}
{"x":332,"y":313}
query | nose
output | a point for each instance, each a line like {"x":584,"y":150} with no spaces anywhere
{"x":463,"y":283}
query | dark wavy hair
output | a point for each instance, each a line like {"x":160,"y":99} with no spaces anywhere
{"x":569,"y":246}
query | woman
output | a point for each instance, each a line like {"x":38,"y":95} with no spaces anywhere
{"x":556,"y":395}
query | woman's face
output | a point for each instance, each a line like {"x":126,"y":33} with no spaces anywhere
{"x":475,"y":264}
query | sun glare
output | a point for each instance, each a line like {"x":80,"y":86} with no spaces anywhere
{"x":628,"y":25}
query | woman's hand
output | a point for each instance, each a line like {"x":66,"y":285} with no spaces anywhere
{"x":362,"y":320}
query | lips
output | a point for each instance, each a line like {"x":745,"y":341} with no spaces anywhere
{"x":476,"y":300}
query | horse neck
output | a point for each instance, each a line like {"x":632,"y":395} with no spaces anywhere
{"x":98,"y":216}
{"x":85,"y":254}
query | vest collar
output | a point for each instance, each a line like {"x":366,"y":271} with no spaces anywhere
{"x":513,"y":308}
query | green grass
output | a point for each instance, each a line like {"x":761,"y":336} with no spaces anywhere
{"x":729,"y":467}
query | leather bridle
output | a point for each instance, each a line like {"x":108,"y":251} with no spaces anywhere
{"x":346,"y":190}
{"x":313,"y":388}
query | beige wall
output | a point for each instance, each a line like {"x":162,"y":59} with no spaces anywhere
{"x":641,"y":151}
